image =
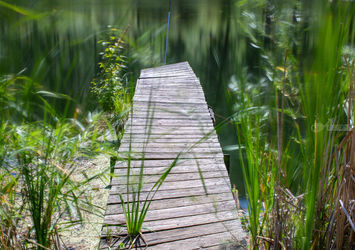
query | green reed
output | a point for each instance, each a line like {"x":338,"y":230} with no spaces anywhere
{"x":301,"y":133}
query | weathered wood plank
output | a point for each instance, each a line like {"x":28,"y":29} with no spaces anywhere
{"x":156,"y":123}
{"x":180,"y":145}
{"x":218,"y":239}
{"x":139,"y":136}
{"x":116,"y":208}
{"x":162,"y":74}
{"x":176,"y":170}
{"x":176,"y":185}
{"x":176,"y":212}
{"x":165,"y":163}
{"x":187,"y":233}
{"x":170,"y":132}
{"x":172,"y":109}
{"x":180,"y":222}
{"x":172,"y":194}
{"x":162,"y":100}
{"x":165,"y":149}
{"x":168,"y":118}
{"x":171,"y":115}
{"x":122,"y":179}
{"x":155,"y":139}
{"x":172,"y":129}
{"x":166,"y":104}
{"x":179,"y":92}
{"x":168,"y":82}
{"x":166,"y":155}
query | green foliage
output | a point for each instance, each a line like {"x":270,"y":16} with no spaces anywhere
{"x":43,"y":161}
{"x":286,"y":149}
{"x":38,"y":155}
{"x":42,"y":156}
{"x":256,"y":157}
{"x":108,"y":87}
{"x":111,"y":87}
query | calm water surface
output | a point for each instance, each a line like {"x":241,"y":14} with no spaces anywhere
{"x":56,"y":43}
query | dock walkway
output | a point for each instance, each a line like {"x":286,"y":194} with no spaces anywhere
{"x":169,"y":117}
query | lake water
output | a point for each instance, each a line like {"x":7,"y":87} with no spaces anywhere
{"x":55,"y":42}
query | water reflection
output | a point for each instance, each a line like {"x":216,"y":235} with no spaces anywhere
{"x":56,"y":42}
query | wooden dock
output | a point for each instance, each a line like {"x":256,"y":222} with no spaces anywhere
{"x":170,"y":116}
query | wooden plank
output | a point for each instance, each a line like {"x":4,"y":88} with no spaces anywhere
{"x":146,"y":148}
{"x":171,"y":194}
{"x":169,"y":148}
{"x":166,"y":103}
{"x":179,"y":222}
{"x":171,"y":122}
{"x":150,"y":105}
{"x":161,"y":74}
{"x":179,"y":92}
{"x":139,"y":136}
{"x":190,"y":132}
{"x":164,"y":108}
{"x":179,"y":65}
{"x":176,"y":185}
{"x":176,"y":212}
{"x":122,"y":179}
{"x":165,"y":163}
{"x":186,"y":233}
{"x":175,"y":170}
{"x":171,"y":115}
{"x":169,"y":128}
{"x":218,"y":239}
{"x":162,"y":104}
{"x":164,"y":149}
{"x":163,"y":101}
{"x":116,"y":208}
{"x":150,"y":89}
{"x":167,"y":155}
{"x":138,"y":139}
{"x":182,"y":144}
{"x":177,"y":111}
{"x":166,"y":138}
{"x":168,"y":118}
{"x":173,"y":149}
{"x":169,"y":82}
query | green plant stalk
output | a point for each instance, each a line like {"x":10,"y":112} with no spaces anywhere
{"x":320,"y":95}
{"x":248,"y":135}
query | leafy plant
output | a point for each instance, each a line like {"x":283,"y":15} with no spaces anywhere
{"x":108,"y":87}
{"x":111,"y":87}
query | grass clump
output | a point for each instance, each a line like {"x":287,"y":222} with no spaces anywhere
{"x":39,"y":196}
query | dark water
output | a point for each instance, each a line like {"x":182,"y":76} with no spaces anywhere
{"x":56,"y":43}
